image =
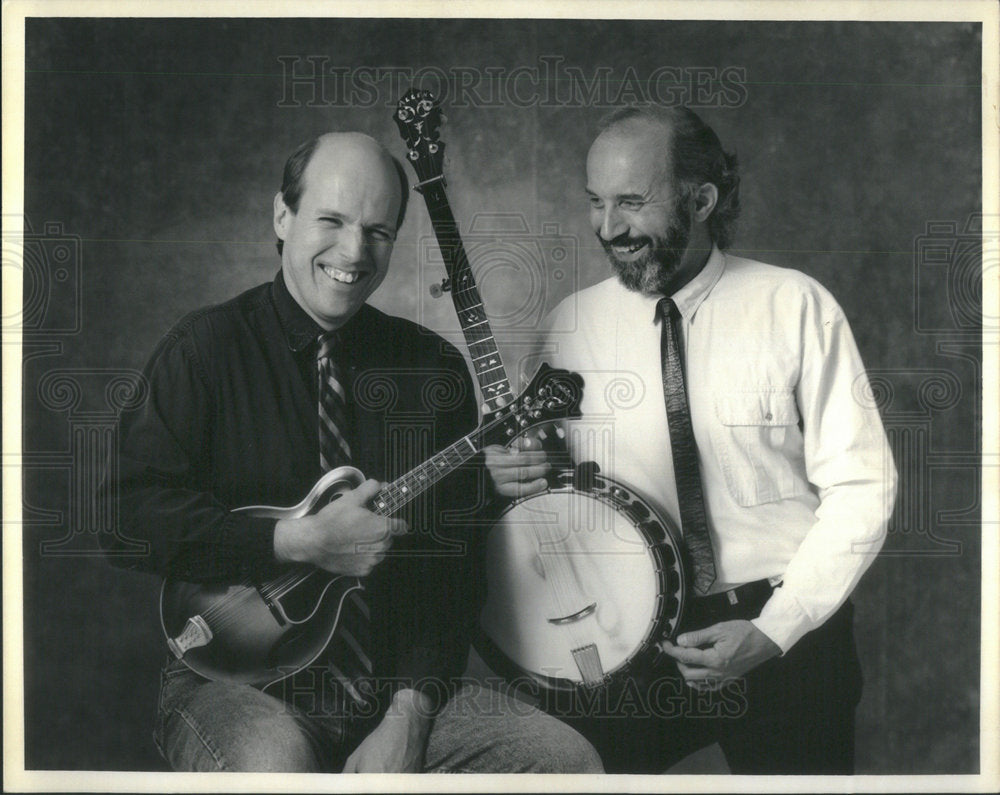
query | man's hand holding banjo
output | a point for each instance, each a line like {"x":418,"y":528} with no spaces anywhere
{"x":747,"y":425}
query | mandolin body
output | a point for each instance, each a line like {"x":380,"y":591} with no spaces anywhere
{"x":260,"y":633}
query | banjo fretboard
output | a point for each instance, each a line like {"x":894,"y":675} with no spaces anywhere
{"x":418,"y":117}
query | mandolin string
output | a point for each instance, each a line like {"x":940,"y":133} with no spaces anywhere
{"x":416,"y":481}
{"x":281,"y":586}
{"x":222,"y":614}
{"x":218,"y":614}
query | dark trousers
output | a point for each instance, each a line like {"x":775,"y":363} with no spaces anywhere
{"x":791,"y":715}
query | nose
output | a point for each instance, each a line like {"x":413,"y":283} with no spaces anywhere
{"x":350,"y":245}
{"x":610,"y":223}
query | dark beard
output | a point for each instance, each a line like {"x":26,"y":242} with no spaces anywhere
{"x":652,"y":273}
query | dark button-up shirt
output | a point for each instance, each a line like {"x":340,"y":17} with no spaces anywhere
{"x":231,"y":420}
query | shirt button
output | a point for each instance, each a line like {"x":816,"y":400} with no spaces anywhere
{"x":768,"y":416}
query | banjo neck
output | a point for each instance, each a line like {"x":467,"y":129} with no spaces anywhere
{"x":418,"y":117}
{"x":479,"y":339}
{"x":567,"y":556}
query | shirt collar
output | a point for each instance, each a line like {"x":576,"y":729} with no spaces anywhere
{"x":300,"y":329}
{"x":692,"y":294}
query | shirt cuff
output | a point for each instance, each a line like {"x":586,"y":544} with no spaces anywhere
{"x":783,"y":620}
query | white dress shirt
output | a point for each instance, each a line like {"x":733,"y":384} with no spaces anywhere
{"x":798,"y":477}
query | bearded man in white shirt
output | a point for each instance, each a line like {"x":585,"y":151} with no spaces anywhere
{"x":789,"y":457}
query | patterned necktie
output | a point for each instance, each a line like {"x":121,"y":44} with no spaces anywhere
{"x":687,"y":473}
{"x":334,"y":450}
{"x":348,"y":653}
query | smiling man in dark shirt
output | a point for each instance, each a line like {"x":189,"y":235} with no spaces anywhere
{"x":232,"y":420}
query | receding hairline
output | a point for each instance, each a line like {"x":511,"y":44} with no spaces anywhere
{"x":339,"y":144}
{"x":328,"y":144}
{"x":660,"y":132}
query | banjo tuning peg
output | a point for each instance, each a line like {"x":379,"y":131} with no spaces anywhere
{"x":437,"y":290}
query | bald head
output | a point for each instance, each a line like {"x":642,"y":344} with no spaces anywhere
{"x":353,"y":147}
{"x":652,"y":133}
{"x":336,"y":218}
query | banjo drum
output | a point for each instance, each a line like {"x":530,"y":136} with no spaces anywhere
{"x":584,"y":578}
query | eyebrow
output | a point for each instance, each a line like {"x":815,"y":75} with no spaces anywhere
{"x":621,"y":196}
{"x":340,"y":216}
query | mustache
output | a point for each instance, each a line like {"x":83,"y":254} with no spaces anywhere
{"x":624,"y":239}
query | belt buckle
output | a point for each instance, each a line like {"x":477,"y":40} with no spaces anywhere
{"x":732,"y":597}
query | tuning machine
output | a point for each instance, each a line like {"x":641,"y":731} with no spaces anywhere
{"x":437,"y":290}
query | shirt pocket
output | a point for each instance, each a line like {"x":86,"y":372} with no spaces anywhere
{"x":756,"y":429}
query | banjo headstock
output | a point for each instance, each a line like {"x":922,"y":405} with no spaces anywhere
{"x":418,"y":116}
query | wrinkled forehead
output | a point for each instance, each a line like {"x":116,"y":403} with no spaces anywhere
{"x":629,"y":157}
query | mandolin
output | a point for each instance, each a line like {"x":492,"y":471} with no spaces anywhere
{"x":259,"y":633}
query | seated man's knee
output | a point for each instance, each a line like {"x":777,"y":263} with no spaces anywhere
{"x":484,"y":730}
{"x":561,"y":749}
{"x":241,"y":729}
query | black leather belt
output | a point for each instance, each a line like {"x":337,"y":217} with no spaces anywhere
{"x":744,"y":602}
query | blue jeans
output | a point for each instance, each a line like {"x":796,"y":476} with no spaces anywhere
{"x":211,"y":726}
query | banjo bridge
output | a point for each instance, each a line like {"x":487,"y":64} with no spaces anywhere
{"x":577,"y":616}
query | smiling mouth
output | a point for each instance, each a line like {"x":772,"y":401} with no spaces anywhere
{"x":628,"y":250}
{"x":342,"y":277}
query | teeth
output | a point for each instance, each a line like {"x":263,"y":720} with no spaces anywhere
{"x":338,"y":275}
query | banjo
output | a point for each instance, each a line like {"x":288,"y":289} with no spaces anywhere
{"x":585,"y":577}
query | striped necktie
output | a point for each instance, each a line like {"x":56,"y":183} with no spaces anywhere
{"x":687,"y":473}
{"x":348,"y":653}
{"x":334,"y":451}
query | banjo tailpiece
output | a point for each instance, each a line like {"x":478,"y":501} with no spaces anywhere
{"x":588,"y":660}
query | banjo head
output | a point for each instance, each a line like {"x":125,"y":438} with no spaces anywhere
{"x":580,"y":584}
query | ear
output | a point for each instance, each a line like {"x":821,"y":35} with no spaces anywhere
{"x":282,"y":215}
{"x":705,"y":199}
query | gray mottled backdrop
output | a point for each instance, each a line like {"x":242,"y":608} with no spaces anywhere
{"x":153,"y":149}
